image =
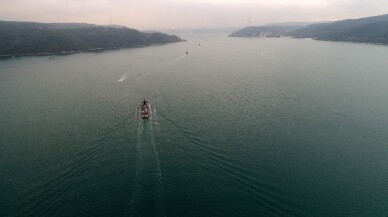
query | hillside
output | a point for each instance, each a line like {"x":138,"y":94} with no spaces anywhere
{"x":273,"y":31}
{"x":366,"y":30}
{"x":25,"y":38}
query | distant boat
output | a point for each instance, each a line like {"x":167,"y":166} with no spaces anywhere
{"x":145,"y":109}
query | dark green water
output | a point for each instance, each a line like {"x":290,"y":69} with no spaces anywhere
{"x":240,"y":127}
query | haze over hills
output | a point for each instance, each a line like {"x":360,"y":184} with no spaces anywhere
{"x":27,"y":38}
{"x":272,"y":31}
{"x":296,"y":23}
{"x":366,"y":30}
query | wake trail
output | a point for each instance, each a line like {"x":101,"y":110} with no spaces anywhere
{"x":156,"y":153}
{"x":123,"y":78}
{"x":139,"y":163}
{"x":159,"y":170}
{"x":179,"y":58}
{"x":147,"y":193}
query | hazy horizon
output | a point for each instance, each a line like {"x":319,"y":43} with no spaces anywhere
{"x":182,"y":14}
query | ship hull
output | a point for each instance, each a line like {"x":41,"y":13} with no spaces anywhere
{"x":145,"y":111}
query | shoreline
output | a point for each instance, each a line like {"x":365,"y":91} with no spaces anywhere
{"x":63,"y":53}
{"x":316,"y":39}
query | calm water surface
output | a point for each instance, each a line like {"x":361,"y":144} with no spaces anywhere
{"x":240,"y":127}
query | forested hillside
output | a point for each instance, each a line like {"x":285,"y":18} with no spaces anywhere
{"x":366,"y":30}
{"x":24,"y":38}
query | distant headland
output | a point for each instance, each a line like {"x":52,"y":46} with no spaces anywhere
{"x":30,"y":38}
{"x":365,"y":30}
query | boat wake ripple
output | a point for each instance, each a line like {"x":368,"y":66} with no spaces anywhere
{"x":147,"y":194}
{"x":266,"y":194}
{"x":56,"y":186}
{"x":179,"y":58}
{"x":123,"y":78}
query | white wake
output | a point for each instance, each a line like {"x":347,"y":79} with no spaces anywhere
{"x":123,"y":78}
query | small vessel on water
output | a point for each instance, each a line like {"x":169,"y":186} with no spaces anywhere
{"x":145,"y":109}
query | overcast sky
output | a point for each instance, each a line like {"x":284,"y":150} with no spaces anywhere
{"x":148,"y":14}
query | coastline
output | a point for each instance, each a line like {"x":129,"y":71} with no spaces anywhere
{"x":316,"y":39}
{"x":62,"y":53}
